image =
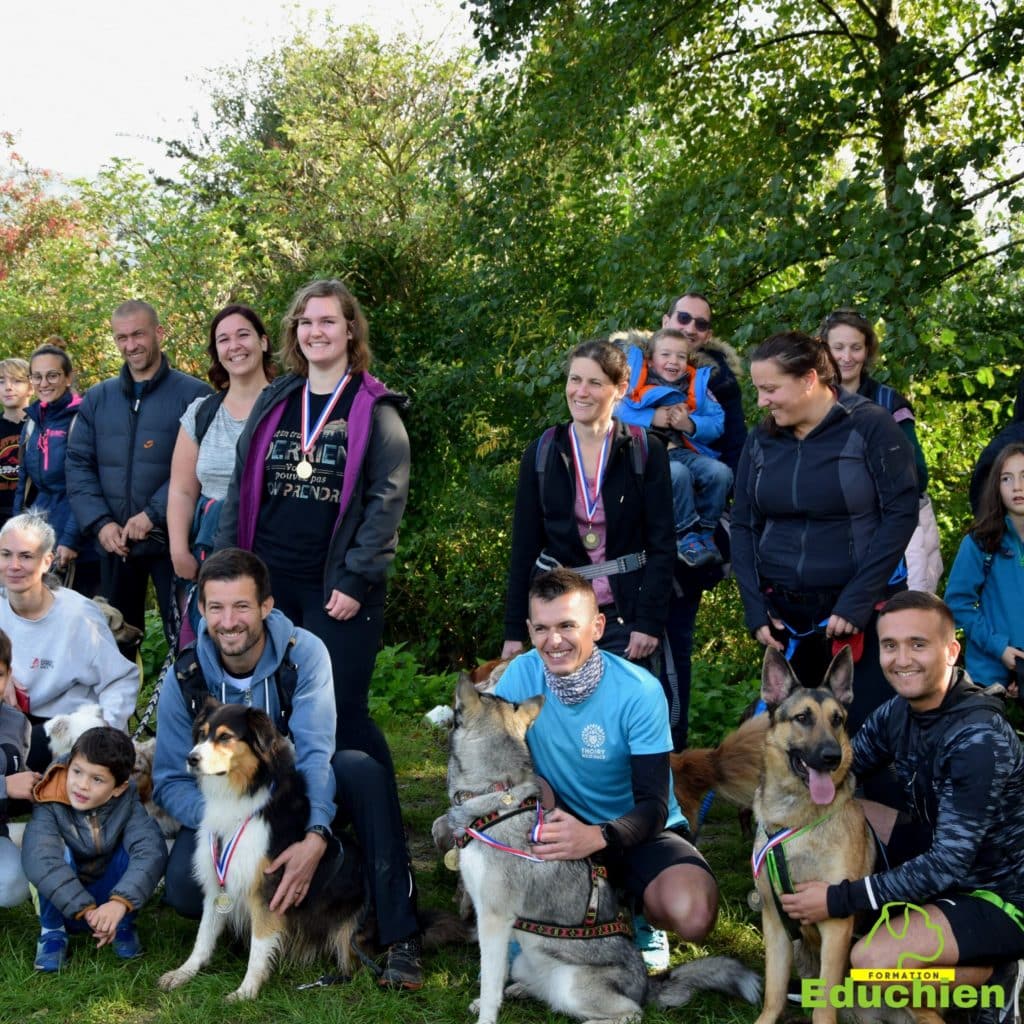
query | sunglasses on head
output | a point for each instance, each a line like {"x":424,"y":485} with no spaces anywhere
{"x":699,"y":322}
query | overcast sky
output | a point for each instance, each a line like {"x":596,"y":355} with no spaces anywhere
{"x":81,"y":82}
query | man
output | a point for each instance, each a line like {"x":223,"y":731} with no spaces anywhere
{"x":602,"y":743}
{"x":247,"y":652}
{"x":958,"y":839}
{"x":119,"y":463}
{"x":690,"y":314}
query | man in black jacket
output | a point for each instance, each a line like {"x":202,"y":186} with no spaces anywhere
{"x":119,"y":462}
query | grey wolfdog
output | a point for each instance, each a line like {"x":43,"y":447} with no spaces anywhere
{"x":602,"y":979}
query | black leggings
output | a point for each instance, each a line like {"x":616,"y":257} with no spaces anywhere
{"x":353,"y":646}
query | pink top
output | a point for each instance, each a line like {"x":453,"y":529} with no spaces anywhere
{"x":602,"y":588}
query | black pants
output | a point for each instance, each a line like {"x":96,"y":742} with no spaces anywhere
{"x":353,"y":646}
{"x":368,"y":803}
{"x":682,"y":616}
{"x":124,"y":581}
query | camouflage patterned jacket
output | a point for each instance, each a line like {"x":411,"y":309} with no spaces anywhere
{"x":961,"y":769}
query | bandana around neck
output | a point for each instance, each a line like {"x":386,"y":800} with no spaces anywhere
{"x":578,"y":685}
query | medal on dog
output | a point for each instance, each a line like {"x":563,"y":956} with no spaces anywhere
{"x":451,"y":859}
{"x":304,"y":470}
{"x":223,"y":903}
{"x":591,"y":499}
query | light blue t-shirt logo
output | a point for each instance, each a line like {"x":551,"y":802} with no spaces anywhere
{"x":593,"y":742}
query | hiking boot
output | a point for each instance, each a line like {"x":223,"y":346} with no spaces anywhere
{"x":1009,"y":977}
{"x":51,"y":951}
{"x":712,"y":548}
{"x":652,"y":943}
{"x":126,"y":942}
{"x":404,"y":967}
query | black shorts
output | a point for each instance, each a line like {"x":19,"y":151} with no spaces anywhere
{"x":634,"y":868}
{"x":984,"y":933}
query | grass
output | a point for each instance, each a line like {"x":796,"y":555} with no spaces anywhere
{"x":96,"y":988}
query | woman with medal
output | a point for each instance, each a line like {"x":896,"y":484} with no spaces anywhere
{"x":320,"y":484}
{"x":595,"y":495}
{"x":241,"y":365}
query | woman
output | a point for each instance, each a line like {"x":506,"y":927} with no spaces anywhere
{"x":826,"y":500}
{"x":590,"y":492}
{"x":320,"y":484}
{"x":44,"y":445}
{"x":64,"y":654}
{"x":241,"y":366}
{"x":854,"y":344}
{"x":319,"y":488}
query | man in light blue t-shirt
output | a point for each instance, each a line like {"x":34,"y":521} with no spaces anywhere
{"x":602,"y":743}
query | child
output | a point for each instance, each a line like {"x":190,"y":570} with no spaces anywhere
{"x":986,"y":584}
{"x":669,"y":395}
{"x":15,"y":391}
{"x":15,"y":781}
{"x":90,"y":849}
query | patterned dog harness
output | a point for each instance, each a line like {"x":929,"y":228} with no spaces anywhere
{"x":590,"y":928}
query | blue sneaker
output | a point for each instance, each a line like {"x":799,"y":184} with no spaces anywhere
{"x":126,"y":942}
{"x":691,"y":550}
{"x":51,"y":952}
{"x":652,"y":943}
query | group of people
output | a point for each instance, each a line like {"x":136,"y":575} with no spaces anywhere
{"x":267,"y":512}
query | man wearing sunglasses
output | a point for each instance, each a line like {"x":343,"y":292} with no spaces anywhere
{"x":691,"y":314}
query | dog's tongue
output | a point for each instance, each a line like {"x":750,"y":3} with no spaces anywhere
{"x":823,"y":791}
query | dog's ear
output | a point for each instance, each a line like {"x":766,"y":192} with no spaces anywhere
{"x":209,"y":706}
{"x":778,"y":680}
{"x":530,"y":709}
{"x":57,"y":727}
{"x":467,"y":699}
{"x":263,"y":732}
{"x":839,"y":677}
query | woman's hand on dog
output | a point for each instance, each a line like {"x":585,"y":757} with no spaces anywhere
{"x":563,"y":837}
{"x":809,"y":904}
{"x":299,"y":862}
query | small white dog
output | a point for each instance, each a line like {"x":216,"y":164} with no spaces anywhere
{"x":63,"y":730}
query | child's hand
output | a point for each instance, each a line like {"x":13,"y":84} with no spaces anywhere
{"x":104,"y":921}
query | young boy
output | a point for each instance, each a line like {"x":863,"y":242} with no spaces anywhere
{"x":15,"y":391}
{"x":16,"y":781}
{"x":669,"y":395}
{"x":90,"y":849}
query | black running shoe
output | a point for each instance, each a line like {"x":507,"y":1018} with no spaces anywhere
{"x":404,"y":967}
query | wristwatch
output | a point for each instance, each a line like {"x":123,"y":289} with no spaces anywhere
{"x":322,"y":831}
{"x":608,"y":835}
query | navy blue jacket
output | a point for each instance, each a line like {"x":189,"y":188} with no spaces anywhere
{"x":119,"y":454}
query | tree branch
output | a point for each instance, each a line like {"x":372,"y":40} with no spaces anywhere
{"x":988,"y":254}
{"x":997,"y":187}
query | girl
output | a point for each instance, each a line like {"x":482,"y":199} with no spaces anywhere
{"x":986,"y":583}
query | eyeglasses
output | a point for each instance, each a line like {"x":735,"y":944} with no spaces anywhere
{"x":51,"y":377}
{"x":699,"y":322}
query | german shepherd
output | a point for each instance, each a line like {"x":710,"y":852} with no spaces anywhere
{"x":806,"y":783}
{"x":493,"y":789}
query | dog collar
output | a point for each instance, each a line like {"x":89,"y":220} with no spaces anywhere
{"x":460,"y":796}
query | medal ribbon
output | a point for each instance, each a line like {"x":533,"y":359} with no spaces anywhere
{"x":222,"y":861}
{"x":309,"y":440}
{"x":535,"y":832}
{"x":589,"y":500}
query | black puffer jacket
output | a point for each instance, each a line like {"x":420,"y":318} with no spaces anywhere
{"x":119,"y":454}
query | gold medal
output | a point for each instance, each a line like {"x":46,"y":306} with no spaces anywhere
{"x":304,"y":470}
{"x":223,"y":903}
{"x":591,"y":540}
{"x":451,"y":859}
{"x":508,"y":799}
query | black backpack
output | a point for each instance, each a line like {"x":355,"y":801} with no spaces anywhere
{"x":195,"y":692}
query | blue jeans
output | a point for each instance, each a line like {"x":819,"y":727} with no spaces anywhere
{"x":700,"y":489}
{"x":51,"y":918}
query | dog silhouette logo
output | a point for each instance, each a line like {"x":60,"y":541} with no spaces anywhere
{"x":896,"y":919}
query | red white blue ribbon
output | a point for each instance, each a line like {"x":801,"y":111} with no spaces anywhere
{"x":535,"y":833}
{"x":308,"y":439}
{"x":589,"y":500}
{"x":757,"y":858}
{"x":222,"y":859}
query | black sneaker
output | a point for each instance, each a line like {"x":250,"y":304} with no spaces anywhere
{"x":1009,"y":976}
{"x":404,"y":967}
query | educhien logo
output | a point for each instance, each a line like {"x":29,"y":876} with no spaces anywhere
{"x":919,"y":987}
